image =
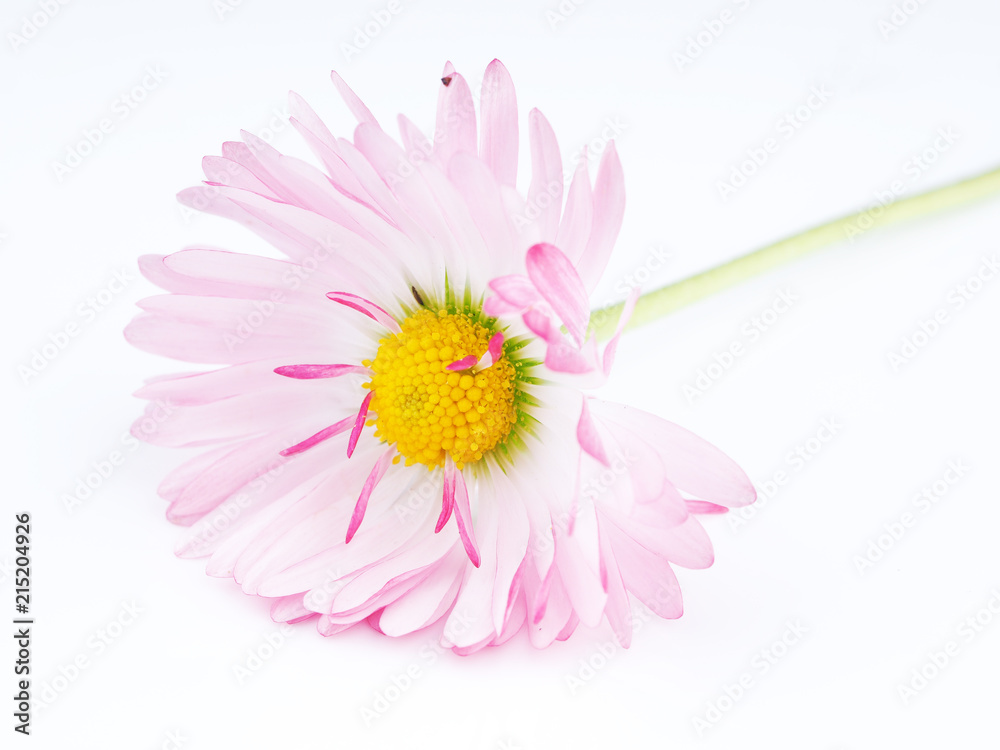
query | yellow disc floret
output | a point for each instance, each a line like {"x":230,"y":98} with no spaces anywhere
{"x":429,"y":412}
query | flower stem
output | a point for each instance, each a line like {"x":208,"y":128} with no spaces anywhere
{"x":661,"y":302}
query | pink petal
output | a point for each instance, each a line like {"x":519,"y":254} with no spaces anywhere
{"x":516,"y":290}
{"x":557,"y":281}
{"x":650,"y":482}
{"x":290,"y":609}
{"x":485,"y":202}
{"x":217,"y":482}
{"x":359,"y":424}
{"x":574,"y":227}
{"x":611,"y":349}
{"x":200,"y":388}
{"x":357,"y":107}
{"x":311,"y":372}
{"x":463,"y":513}
{"x":647,"y":575}
{"x":414,"y":141}
{"x":233,"y":418}
{"x":319,"y":437}
{"x":609,"y":208}
{"x":588,"y":436}
{"x":456,"y":118}
{"x":471,"y":621}
{"x":686,"y":544}
{"x":490,"y":356}
{"x":367,"y":307}
{"x":618,"y":609}
{"x":219,"y":273}
{"x":462,"y":364}
{"x":540,"y":324}
{"x":561,"y":357}
{"x":693,"y":465}
{"x":546,"y":176}
{"x":495,"y":307}
{"x":447,"y":501}
{"x":558,"y":616}
{"x":426,"y":603}
{"x":702,"y":507}
{"x":378,"y":471}
{"x":494,"y":351}
{"x":222,"y":171}
{"x":498,"y":138}
{"x":513,"y":533}
{"x":582,"y":582}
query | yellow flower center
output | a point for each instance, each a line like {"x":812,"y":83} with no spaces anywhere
{"x":426,"y":410}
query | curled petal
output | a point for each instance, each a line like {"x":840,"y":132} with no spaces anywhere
{"x":462,"y":364}
{"x":378,"y":471}
{"x":447,"y":501}
{"x":367,"y":307}
{"x":493,"y":351}
{"x":463,"y":511}
{"x":359,"y":423}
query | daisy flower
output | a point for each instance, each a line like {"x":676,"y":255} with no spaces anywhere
{"x":402,"y":431}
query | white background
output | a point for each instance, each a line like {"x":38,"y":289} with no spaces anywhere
{"x":683,"y":129}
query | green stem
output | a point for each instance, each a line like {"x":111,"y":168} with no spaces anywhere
{"x":660,"y":302}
